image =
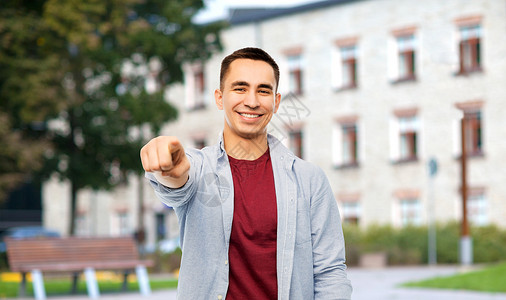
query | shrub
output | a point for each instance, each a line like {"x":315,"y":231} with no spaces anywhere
{"x":166,"y":262}
{"x":409,"y":245}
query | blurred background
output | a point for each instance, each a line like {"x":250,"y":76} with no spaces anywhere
{"x":384,"y":95}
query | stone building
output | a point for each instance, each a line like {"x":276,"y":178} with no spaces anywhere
{"x":372,"y":91}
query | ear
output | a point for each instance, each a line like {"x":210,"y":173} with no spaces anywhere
{"x":277,"y":100}
{"x":218,"y":98}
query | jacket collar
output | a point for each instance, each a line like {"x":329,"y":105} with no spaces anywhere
{"x":276,"y":148}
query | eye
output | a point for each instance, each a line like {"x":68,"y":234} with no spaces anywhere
{"x":265,"y":92}
{"x":239,"y":89}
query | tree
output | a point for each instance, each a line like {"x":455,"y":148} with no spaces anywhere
{"x":29,"y":93}
{"x":104,"y":113}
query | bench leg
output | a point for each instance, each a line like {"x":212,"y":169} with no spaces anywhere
{"x":38,"y":285}
{"x":124,"y":287}
{"x":142,"y":278}
{"x":22,"y":285}
{"x":75,"y":279}
{"x":91,"y":283}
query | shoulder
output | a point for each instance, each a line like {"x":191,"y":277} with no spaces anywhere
{"x":311,"y":176}
{"x":307,"y":168}
{"x":305,"y":171}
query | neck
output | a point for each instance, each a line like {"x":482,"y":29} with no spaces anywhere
{"x":245,"y":148}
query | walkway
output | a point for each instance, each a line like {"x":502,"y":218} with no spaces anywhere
{"x":368,"y":284}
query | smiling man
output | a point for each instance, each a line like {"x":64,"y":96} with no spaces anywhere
{"x":258,"y":223}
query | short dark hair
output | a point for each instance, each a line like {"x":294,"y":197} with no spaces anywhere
{"x":248,"y":53}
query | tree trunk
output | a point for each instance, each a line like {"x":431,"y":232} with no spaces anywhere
{"x":141,"y":233}
{"x":73,"y":204}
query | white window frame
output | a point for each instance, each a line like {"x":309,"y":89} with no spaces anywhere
{"x":338,"y":143}
{"x":291,"y":141}
{"x":410,"y":205}
{"x":339,"y":54}
{"x":405,"y":43}
{"x":393,"y":50}
{"x":351,"y":209}
{"x":477,"y":209}
{"x":295,"y":62}
{"x":465,"y":33}
{"x":396,"y":129}
{"x":194,"y":99}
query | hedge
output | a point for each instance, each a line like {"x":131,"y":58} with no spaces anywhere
{"x":408,"y":245}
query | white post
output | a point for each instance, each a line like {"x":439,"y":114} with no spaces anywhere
{"x":38,"y":285}
{"x":466,"y":250}
{"x":91,"y":283}
{"x":142,"y":278}
{"x":432,"y":248}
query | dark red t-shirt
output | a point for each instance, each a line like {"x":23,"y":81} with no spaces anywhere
{"x":252,"y":252}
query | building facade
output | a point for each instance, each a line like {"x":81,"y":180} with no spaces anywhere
{"x":372,"y":90}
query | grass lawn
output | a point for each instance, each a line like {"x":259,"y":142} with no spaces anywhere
{"x":489,"y":279}
{"x":63,"y":286}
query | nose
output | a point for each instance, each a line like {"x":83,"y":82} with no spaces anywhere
{"x":251,"y":100}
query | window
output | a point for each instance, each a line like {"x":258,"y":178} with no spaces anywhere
{"x":470,"y":49}
{"x":295,"y":74}
{"x":410,"y":210}
{"x":350,"y":144}
{"x":406,"y":55}
{"x":199,"y":88}
{"x":408,"y":138}
{"x":351,"y":212}
{"x":472,"y":121}
{"x":120,"y":222}
{"x":344,"y":63}
{"x":199,"y":81}
{"x":345,"y":146}
{"x":195,"y":86}
{"x":350,"y":207}
{"x":407,"y":209}
{"x":473,"y":134}
{"x":349,"y":65}
{"x":405,"y":142}
{"x":402,"y":54}
{"x":296,"y":145}
{"x":81,"y":223}
{"x":160,"y":226}
{"x":477,"y":207}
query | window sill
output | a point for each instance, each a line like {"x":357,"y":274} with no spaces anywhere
{"x":474,"y":155}
{"x":469,"y":72}
{"x":403,"y":161}
{"x":404,"y":80}
{"x":197,"y":107}
{"x":346,"y":88}
{"x":347,"y":166}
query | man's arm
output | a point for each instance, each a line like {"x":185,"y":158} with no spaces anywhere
{"x":164,"y":156}
{"x":329,"y":269}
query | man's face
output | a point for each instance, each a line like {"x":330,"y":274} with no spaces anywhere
{"x":248,"y":97}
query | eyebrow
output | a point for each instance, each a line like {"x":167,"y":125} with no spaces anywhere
{"x":244,"y":83}
{"x":239,"y":83}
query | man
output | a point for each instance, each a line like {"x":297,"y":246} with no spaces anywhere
{"x":255,"y":221}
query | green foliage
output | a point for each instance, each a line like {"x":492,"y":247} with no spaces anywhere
{"x":490,"y":279}
{"x":166,"y":262}
{"x":489,"y":244}
{"x":64,"y":83}
{"x":409,"y":245}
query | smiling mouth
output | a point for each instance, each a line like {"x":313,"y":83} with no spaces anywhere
{"x":250,"y":116}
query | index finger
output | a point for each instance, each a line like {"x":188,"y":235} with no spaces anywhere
{"x":175,"y":145}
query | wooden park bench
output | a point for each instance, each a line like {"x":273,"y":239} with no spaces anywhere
{"x":75,"y":255}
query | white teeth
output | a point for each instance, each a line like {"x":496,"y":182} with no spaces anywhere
{"x":249,"y":115}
